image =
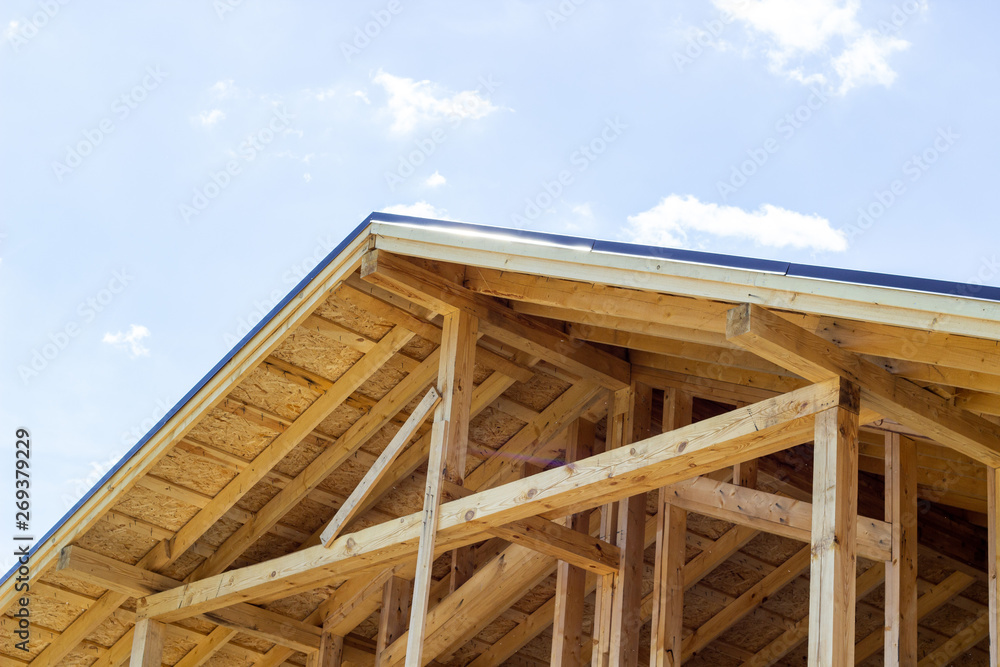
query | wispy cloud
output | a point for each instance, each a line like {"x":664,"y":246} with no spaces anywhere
{"x":800,"y":37}
{"x":435,"y":180}
{"x":209,"y":118}
{"x":130,"y":341}
{"x":411,"y":103}
{"x":225,"y":89}
{"x":421,"y":209}
{"x":677,"y":220}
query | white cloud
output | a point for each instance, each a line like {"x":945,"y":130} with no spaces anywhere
{"x":130,"y":341}
{"x":413,"y":102}
{"x":12,"y":30}
{"x":209,"y":118}
{"x":307,"y":177}
{"x":676,"y":218}
{"x":864,"y":61}
{"x":799,"y":38}
{"x":583,"y":210}
{"x":435,"y":179}
{"x":419,"y":210}
{"x":225,"y":89}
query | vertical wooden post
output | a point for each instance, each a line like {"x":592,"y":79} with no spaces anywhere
{"x":901,"y":571}
{"x":745,"y":472}
{"x":671,"y":548}
{"x":449,"y":432}
{"x":395,"y":612}
{"x":330,"y":653}
{"x":993,"y":503}
{"x":567,"y":624}
{"x":626,"y":621}
{"x":832,"y":584}
{"x":147,"y":643}
{"x":618,"y":424}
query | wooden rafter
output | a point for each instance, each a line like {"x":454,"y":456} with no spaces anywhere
{"x":422,"y":287}
{"x":814,"y":358}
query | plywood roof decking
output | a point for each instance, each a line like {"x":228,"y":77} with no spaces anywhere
{"x":667,"y":327}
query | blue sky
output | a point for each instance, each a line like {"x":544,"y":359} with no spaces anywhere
{"x":170,"y":170}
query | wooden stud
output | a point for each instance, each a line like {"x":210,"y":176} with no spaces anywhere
{"x":571,"y":581}
{"x":616,"y":429}
{"x":330,"y":653}
{"x":395,"y":612}
{"x":671,"y":549}
{"x":147,"y":643}
{"x":625,"y":616}
{"x":901,"y":570}
{"x":993,"y":501}
{"x":832,"y":585}
{"x":454,"y":385}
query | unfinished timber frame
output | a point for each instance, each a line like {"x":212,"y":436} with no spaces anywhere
{"x":460,"y":446}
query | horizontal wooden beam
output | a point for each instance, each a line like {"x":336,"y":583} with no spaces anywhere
{"x":495,"y":320}
{"x":99,"y":570}
{"x":750,"y":432}
{"x":815,"y":358}
{"x":771,"y":513}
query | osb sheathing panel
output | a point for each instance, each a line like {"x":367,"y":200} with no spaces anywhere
{"x":63,"y":580}
{"x":219,"y":531}
{"x":707,"y":526}
{"x":179,"y":468}
{"x":538,"y":392}
{"x":711,"y":658}
{"x":735,"y":576}
{"x":115,"y":543}
{"x":317,"y":353}
{"x":108,"y":632}
{"x":155,"y":508}
{"x":493,"y":428}
{"x":350,"y":316}
{"x":792,"y":601}
{"x":266,"y":390}
{"x":233,"y":434}
{"x":258,"y":496}
{"x":298,"y":459}
{"x":772,"y":549}
{"x":183,"y":566}
{"x":948,"y":619}
{"x":308,"y":516}
{"x":267,"y":547}
{"x":752,"y":633}
{"x":341,"y":419}
{"x":381,"y":382}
